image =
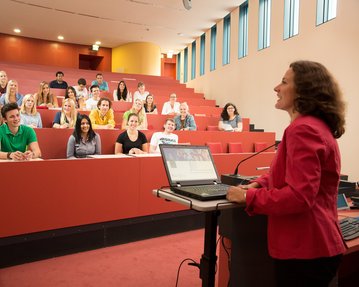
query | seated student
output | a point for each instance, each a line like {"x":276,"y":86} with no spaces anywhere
{"x":66,"y":118}
{"x":28,"y":114}
{"x":122,"y":93}
{"x":81,"y":90}
{"x":84,"y":141}
{"x":149,"y":105}
{"x":17,"y":142}
{"x":44,"y":97}
{"x":71,"y":94}
{"x":171,"y":107}
{"x":165,"y":137}
{"x":59,"y":83}
{"x":12,"y":94}
{"x":141,"y":92}
{"x":103,"y":117}
{"x":230,"y":119}
{"x":137,"y":108}
{"x":100,"y":82}
{"x":3,"y":82}
{"x":131,"y":141}
{"x":91,"y":103}
{"x":184,"y":121}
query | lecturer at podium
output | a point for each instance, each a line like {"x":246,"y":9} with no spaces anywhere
{"x":299,"y":194}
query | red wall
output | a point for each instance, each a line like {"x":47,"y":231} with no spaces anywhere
{"x":34,"y":51}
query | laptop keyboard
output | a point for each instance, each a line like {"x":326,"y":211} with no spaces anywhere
{"x":207,"y":189}
{"x":349,"y":227}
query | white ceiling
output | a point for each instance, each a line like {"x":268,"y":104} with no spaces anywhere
{"x":114,"y":22}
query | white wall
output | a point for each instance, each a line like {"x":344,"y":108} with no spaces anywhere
{"x":249,"y":82}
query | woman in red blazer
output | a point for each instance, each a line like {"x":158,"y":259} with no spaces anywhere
{"x":299,"y":194}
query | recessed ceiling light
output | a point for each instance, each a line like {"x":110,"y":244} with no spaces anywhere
{"x":98,"y":43}
{"x":17,"y":30}
{"x":180,"y":34}
{"x":60,"y":37}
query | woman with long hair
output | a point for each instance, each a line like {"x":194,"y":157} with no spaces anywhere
{"x":299,"y":194}
{"x":230,"y":119}
{"x":29,"y":116}
{"x":84,"y":141}
{"x":137,"y":108}
{"x":122,"y":93}
{"x":149,"y":105}
{"x":44,"y":97}
{"x":66,"y":118}
{"x":71,"y":94}
{"x":12,"y":94}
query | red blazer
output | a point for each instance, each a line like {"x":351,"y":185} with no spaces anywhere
{"x":299,"y":194}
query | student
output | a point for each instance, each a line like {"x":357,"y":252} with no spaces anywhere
{"x":100,"y":82}
{"x":122,"y":93}
{"x":165,"y":137}
{"x":44,"y":97}
{"x":299,"y":194}
{"x":138,"y":109}
{"x":149,"y":105}
{"x":81,"y":90}
{"x":171,"y":107}
{"x":131,"y":141}
{"x":59,"y":83}
{"x":28,"y":114}
{"x":91,"y":103}
{"x":185,"y":121}
{"x":71,"y":94}
{"x":230,"y":119}
{"x":3,"y":82}
{"x":141,"y":92}
{"x":66,"y":118}
{"x":12,"y":94}
{"x":17,"y":142}
{"x":84,"y":141}
{"x":103,"y":116}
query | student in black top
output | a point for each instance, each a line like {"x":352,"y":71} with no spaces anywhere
{"x":149,"y":105}
{"x":131,"y":141}
{"x":59,"y":83}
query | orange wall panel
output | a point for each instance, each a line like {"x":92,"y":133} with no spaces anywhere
{"x":41,"y":52}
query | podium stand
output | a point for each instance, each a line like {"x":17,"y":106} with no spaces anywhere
{"x":250,"y":263}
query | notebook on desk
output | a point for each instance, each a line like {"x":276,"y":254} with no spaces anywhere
{"x":191,"y":172}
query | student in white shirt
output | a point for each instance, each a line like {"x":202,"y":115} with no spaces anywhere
{"x":91,"y":103}
{"x":171,"y":107}
{"x":165,"y":137}
{"x":141,"y":92}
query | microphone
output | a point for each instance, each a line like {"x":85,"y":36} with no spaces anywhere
{"x":253,"y":155}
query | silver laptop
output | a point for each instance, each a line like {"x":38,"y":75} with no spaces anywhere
{"x":191,"y":172}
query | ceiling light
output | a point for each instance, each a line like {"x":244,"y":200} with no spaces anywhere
{"x":60,"y":37}
{"x":17,"y":30}
{"x":169,"y":54}
{"x":95,"y":47}
{"x":97,"y":43}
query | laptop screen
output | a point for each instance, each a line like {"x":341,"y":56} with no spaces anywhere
{"x":342,"y":202}
{"x":188,"y":165}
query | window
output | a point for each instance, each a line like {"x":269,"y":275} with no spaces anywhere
{"x":243,"y":30}
{"x":291,"y":18}
{"x":264,"y":24}
{"x":193,"y":63}
{"x":213,"y":48}
{"x":326,"y":10}
{"x":185,"y":65}
{"x":226,"y":39}
{"x":202,"y":54}
{"x":179,"y":67}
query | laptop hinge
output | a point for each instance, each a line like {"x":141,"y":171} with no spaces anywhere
{"x":178,"y":184}
{"x":215,"y":182}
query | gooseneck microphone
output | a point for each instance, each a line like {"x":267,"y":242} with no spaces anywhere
{"x":253,"y":155}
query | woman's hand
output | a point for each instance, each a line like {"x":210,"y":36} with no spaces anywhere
{"x":237,"y":194}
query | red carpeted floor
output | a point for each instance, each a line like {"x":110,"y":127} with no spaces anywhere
{"x":153,"y":262}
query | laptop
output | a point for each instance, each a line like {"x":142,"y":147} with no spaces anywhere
{"x":191,"y":172}
{"x":342,"y":202}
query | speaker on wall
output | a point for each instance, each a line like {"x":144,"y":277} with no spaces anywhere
{"x":187,"y":4}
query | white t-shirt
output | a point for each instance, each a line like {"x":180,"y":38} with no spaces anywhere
{"x":81,"y":94}
{"x":162,"y":138}
{"x":137,"y":95}
{"x":91,"y":104}
{"x":167,"y":108}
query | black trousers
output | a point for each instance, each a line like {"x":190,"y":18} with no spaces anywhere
{"x":317,"y":272}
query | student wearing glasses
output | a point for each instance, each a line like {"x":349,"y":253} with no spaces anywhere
{"x":230,"y":119}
